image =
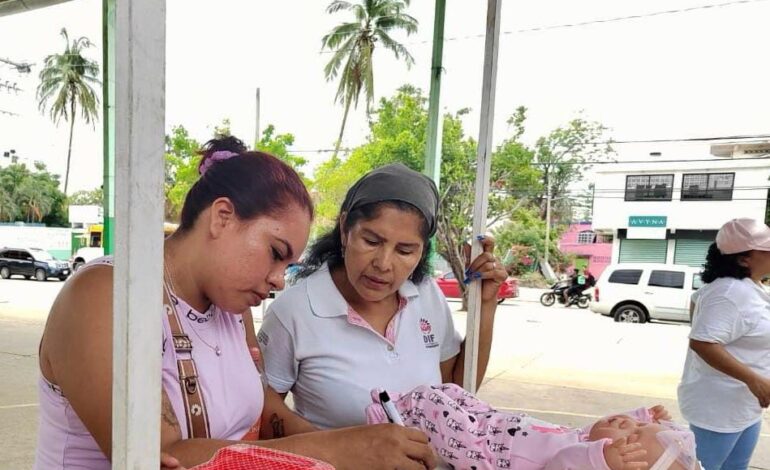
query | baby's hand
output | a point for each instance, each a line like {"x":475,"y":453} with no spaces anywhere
{"x":659,"y":413}
{"x":620,"y":455}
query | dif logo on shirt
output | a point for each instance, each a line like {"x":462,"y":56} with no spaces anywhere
{"x":428,"y":338}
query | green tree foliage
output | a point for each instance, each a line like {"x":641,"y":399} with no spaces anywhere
{"x":521,"y":241}
{"x":332,"y":180}
{"x":31,"y":196}
{"x":564,"y":155}
{"x":67,"y":83}
{"x":353,"y":44}
{"x":86,"y":198}
{"x":181,"y":163}
{"x":512,"y":178}
{"x":278,"y":145}
{"x":182,"y":160}
{"x":398,"y":134}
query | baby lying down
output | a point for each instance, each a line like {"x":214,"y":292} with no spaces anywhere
{"x":466,"y":433}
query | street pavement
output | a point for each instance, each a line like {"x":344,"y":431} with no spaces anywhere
{"x":568,"y":366}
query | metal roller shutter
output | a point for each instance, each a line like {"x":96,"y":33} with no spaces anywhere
{"x":643,"y":251}
{"x":691,"y":252}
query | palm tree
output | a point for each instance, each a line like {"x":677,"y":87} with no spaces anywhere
{"x":353,"y":45}
{"x":8,"y":207}
{"x":67,"y":80}
{"x":35,"y":203}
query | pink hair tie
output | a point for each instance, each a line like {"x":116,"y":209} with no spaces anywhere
{"x":215,"y":157}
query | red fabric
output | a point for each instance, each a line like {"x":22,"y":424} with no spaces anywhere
{"x":246,"y":457}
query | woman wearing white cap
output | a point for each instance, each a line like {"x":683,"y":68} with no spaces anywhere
{"x":726,"y":379}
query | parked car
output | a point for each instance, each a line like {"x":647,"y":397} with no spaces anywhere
{"x":639,"y":292}
{"x":85,"y":255}
{"x":451,"y":289}
{"x":29,"y":262}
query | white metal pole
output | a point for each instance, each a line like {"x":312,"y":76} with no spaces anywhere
{"x":483,"y":169}
{"x":137,"y":303}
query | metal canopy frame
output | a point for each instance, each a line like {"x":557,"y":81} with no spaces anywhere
{"x":139,"y":123}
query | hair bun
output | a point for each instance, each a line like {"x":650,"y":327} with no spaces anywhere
{"x":227,"y":143}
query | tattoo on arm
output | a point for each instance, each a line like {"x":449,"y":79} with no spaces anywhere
{"x":276,"y":424}
{"x":167,"y":412}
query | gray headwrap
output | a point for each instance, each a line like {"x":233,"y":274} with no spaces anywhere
{"x":396,"y":182}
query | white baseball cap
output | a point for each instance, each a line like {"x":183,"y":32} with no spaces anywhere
{"x":740,"y":235}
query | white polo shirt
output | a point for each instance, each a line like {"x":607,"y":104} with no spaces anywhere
{"x":330,"y":364}
{"x":736,"y":314}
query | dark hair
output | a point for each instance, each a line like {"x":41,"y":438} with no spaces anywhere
{"x":256,"y":183}
{"x":719,"y":265}
{"x":328,"y":248}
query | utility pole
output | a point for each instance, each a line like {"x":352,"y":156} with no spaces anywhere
{"x":256,"y":129}
{"x":547,"y":214}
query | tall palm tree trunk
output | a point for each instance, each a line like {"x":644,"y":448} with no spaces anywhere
{"x":69,"y":150}
{"x":342,"y":128}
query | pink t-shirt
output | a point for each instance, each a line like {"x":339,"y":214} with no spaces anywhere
{"x":231,"y":388}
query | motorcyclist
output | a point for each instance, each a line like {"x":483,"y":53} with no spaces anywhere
{"x":578,"y":283}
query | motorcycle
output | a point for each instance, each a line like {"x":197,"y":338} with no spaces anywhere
{"x":557,"y":294}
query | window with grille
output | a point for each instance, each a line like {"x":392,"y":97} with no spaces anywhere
{"x":708,"y":186}
{"x":649,"y":187}
{"x":586,"y":237}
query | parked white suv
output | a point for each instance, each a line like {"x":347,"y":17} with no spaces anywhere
{"x":85,"y":255}
{"x":639,"y":292}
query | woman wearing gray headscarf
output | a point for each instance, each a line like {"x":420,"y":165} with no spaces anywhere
{"x":367,"y":314}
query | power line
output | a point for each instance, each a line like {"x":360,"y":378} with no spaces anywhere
{"x":590,"y":22}
{"x":710,"y":160}
{"x":2,"y":111}
{"x":590,"y":163}
{"x":683,"y":200}
{"x":584,"y":192}
{"x":758,"y":138}
{"x":633,"y":17}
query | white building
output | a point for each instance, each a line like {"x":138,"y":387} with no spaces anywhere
{"x":669,"y":212}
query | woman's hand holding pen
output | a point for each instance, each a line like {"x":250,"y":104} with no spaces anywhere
{"x":381,"y":447}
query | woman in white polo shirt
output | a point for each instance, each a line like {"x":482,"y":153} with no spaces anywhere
{"x":367,"y":314}
{"x":726,"y":379}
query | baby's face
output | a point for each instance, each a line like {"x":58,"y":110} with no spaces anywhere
{"x":620,"y":426}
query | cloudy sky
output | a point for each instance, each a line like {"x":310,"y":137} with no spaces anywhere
{"x":691,"y":74}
